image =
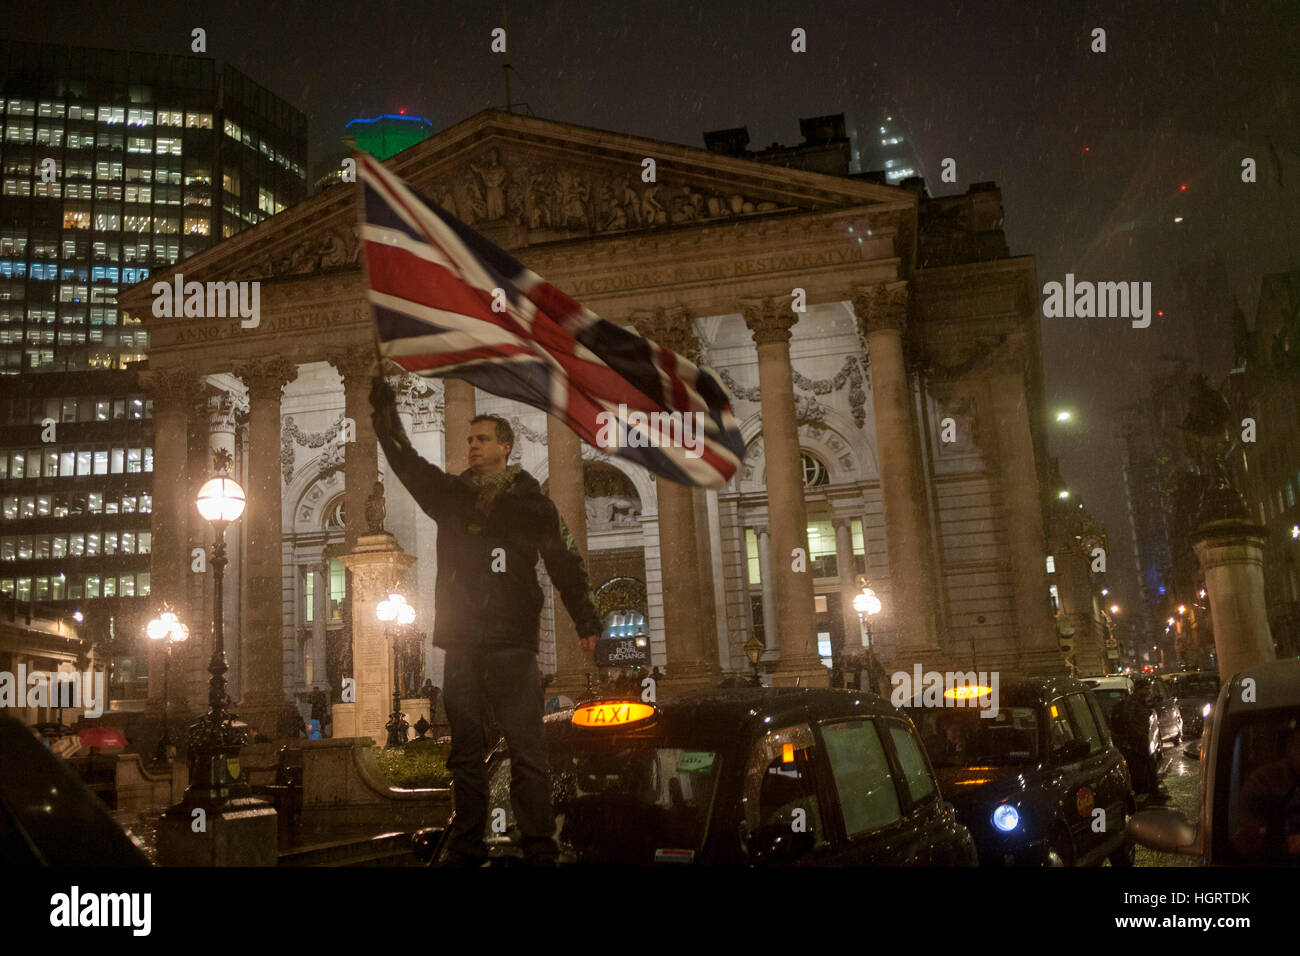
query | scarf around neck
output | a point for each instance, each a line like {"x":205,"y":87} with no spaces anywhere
{"x":489,"y":486}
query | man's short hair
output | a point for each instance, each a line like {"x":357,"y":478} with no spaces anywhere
{"x":505,"y":434}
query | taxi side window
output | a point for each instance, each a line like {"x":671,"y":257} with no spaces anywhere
{"x":779,"y":787}
{"x":863,"y":780}
{"x":916,"y":773}
{"x":1085,"y":727}
{"x":1059,"y":730}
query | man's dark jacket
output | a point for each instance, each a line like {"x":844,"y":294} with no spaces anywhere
{"x":475,"y":605}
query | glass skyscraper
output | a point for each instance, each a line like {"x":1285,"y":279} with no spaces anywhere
{"x":114,"y":163}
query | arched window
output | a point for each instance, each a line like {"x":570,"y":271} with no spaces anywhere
{"x":335,"y":517}
{"x":814,"y":472}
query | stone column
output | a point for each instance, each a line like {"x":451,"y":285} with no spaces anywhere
{"x":1039,"y":651}
{"x":1231,"y":554}
{"x":848,"y":585}
{"x":319,"y":613}
{"x":361,"y":456}
{"x":378,"y":567}
{"x":767,"y":598}
{"x":262,"y":521}
{"x":565,"y":484}
{"x":173,"y":390}
{"x":689,"y":632}
{"x":882,"y":318}
{"x":458,"y":404}
{"x":770,"y":322}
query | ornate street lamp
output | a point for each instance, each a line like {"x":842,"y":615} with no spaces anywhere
{"x":866,"y":603}
{"x":166,"y":627}
{"x":754,"y":649}
{"x":397,"y":614}
{"x":214,"y":740}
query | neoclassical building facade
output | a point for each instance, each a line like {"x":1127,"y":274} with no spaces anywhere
{"x":882,"y":350}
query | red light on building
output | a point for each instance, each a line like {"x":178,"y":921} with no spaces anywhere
{"x":1183,"y":187}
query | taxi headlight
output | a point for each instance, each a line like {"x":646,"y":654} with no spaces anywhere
{"x":1006,"y":817}
{"x":1205,"y":711}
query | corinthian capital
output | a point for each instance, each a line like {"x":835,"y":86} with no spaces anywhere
{"x":173,"y":388}
{"x":881,"y":307}
{"x":670,"y":328}
{"x":769,"y":319}
{"x":356,"y":365}
{"x":265,"y":377}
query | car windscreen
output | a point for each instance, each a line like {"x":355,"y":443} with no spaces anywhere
{"x":961,"y":737}
{"x":1108,"y":700}
{"x":630,"y":803}
{"x":1196,"y":685}
{"x":1264,"y":788}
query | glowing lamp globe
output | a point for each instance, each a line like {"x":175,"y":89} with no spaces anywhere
{"x":866,"y":602}
{"x":221,"y":499}
{"x":395,"y":609}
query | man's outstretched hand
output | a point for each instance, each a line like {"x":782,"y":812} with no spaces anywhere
{"x":384,"y":405}
{"x":588,"y":644}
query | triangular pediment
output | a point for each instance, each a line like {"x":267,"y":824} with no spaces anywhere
{"x":524,"y":181}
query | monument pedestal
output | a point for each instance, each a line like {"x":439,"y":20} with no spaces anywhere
{"x":378,"y":566}
{"x":1231,"y":553}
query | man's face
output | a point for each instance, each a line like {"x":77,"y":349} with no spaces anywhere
{"x":487,"y":456}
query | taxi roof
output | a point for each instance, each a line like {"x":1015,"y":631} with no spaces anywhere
{"x":1277,"y":684}
{"x":716,"y":715}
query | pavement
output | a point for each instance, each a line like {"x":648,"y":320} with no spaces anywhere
{"x":1180,"y":775}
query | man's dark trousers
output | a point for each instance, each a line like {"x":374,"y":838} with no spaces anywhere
{"x":506,"y":680}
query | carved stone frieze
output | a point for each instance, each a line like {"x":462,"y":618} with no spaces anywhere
{"x":291,"y":435}
{"x":421,"y":398}
{"x":337,"y":248}
{"x":548,"y":198}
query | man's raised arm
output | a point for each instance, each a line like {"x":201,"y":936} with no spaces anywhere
{"x":431,"y":487}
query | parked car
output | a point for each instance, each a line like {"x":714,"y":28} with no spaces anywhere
{"x":47,"y":816}
{"x":1028,"y":781}
{"x":1109,"y":691}
{"x":737,"y":777}
{"x":1193,"y":692}
{"x":1248,"y":800}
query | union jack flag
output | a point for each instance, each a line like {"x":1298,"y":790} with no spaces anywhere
{"x":433,"y":284}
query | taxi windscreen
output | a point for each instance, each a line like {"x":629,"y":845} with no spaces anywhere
{"x":1108,"y":700}
{"x":633,"y":803}
{"x":961,"y":737}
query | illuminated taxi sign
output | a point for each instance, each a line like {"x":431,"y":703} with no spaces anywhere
{"x":612,"y":713}
{"x":967,"y":692}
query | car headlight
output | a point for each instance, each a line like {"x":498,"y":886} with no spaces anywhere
{"x":1006,"y":817}
{"x":1205,"y":711}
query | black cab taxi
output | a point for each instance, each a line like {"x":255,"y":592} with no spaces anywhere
{"x":745,"y":776}
{"x":1038,"y":781}
{"x":1248,"y":796}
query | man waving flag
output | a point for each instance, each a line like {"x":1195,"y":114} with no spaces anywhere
{"x":450,"y":304}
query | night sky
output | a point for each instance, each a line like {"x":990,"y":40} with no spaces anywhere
{"x":1090,"y":150}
